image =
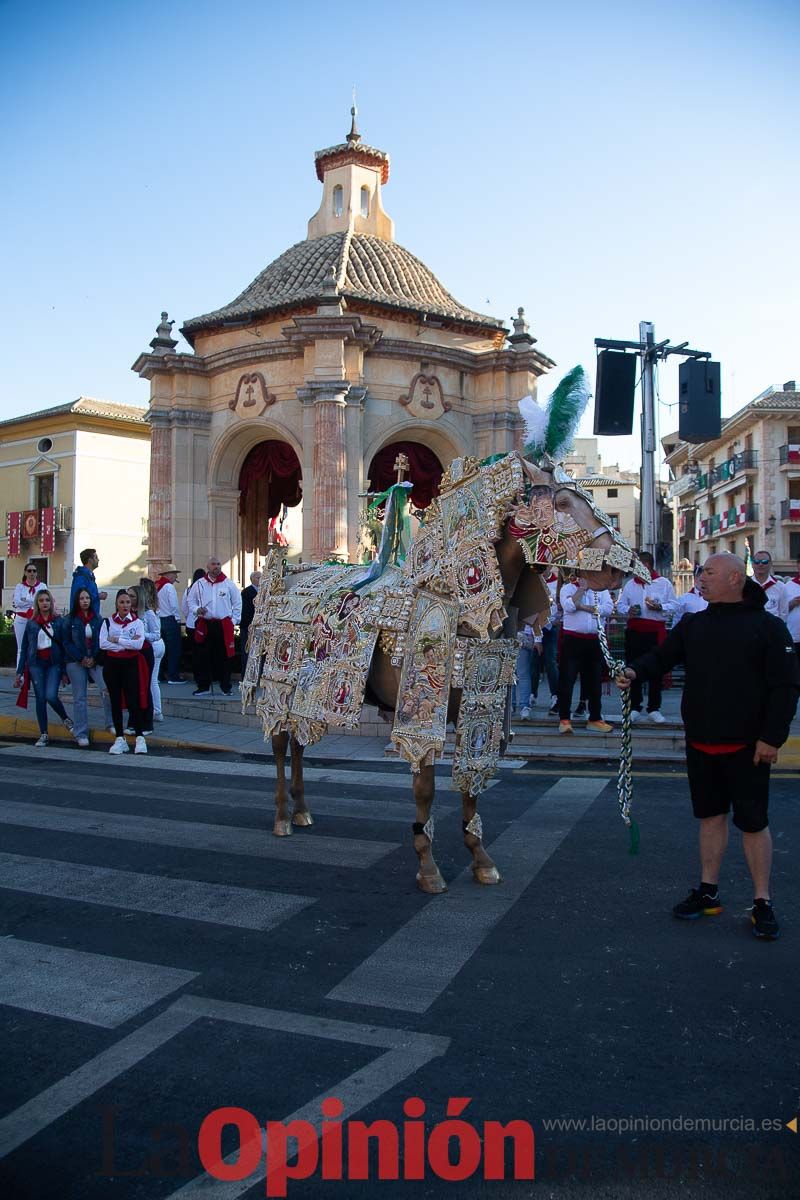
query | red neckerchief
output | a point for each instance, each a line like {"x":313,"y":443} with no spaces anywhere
{"x":770,"y":583}
{"x":161,"y":582}
{"x":641,"y":582}
{"x":220,"y":578}
{"x":796,"y":579}
{"x":32,"y":588}
{"x":119,"y":621}
{"x":40,"y":620}
{"x":85,"y":616}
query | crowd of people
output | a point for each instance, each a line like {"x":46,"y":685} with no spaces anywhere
{"x":129,"y":652}
{"x":565,"y":647}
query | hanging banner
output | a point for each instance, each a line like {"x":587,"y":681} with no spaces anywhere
{"x":48,"y":526}
{"x":13,"y":531}
{"x":30,"y":524}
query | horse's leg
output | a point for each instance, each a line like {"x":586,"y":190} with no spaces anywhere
{"x":483,"y":868}
{"x":429,"y":877}
{"x":300,"y":813}
{"x":283,"y":825}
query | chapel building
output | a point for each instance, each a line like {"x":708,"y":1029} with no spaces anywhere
{"x":341,"y":354}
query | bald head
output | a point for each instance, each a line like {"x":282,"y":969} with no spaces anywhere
{"x":723,"y":578}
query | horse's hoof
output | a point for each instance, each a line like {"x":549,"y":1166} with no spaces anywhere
{"x":434,"y":885}
{"x":282,"y":828}
{"x":486,"y":874}
{"x":302,"y":818}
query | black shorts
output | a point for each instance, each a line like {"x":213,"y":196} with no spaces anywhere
{"x":721,"y":782}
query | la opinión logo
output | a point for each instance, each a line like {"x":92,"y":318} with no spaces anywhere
{"x":289,"y":1150}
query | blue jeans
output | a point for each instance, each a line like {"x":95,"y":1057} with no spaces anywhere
{"x":524,"y":677}
{"x":547,"y":661}
{"x":79,"y":677}
{"x":171,"y":664}
{"x":46,"y":679}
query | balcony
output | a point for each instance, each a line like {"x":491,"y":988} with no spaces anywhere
{"x":741,"y":517}
{"x":789,"y":458}
{"x":726,"y":474}
{"x":790,"y":512}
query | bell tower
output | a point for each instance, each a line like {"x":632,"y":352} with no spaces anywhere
{"x":351,"y":175}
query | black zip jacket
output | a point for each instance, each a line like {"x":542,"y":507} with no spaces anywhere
{"x":742,"y":674}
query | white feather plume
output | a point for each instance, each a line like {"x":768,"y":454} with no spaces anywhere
{"x":535,"y":419}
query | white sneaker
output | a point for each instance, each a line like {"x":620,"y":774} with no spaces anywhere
{"x":147,"y":733}
{"x":158,"y":716}
{"x":120,"y":746}
{"x":44,"y":740}
{"x":83,"y":742}
{"x":111,"y":728}
{"x":525,"y":715}
{"x":141,"y":746}
{"x":656,"y":718}
{"x":635,"y":716}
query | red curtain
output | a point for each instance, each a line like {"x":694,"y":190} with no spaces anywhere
{"x":425,"y":471}
{"x":277,"y":463}
{"x":270,"y":477}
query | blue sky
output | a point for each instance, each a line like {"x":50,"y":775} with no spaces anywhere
{"x":598,"y":164}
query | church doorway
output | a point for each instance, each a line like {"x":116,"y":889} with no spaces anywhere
{"x":425,"y":471}
{"x":270,"y":499}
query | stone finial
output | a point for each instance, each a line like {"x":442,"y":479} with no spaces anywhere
{"x":353,"y":136}
{"x":520,"y":339}
{"x":163,"y":342}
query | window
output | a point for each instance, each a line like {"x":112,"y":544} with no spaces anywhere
{"x":612,"y":493}
{"x":614,"y":519}
{"x":41,"y":567}
{"x":732,"y":545}
{"x":793,"y":434}
{"x":44,"y":444}
{"x":794,"y":545}
{"x":338,"y":200}
{"x":2,"y":574}
{"x":45,"y":491}
{"x":365,"y":201}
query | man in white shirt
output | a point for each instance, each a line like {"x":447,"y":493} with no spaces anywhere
{"x":545,"y":658}
{"x":581,"y":653}
{"x":647,"y":606}
{"x":691,"y":601}
{"x":793,"y":608}
{"x":169,"y":612}
{"x":215,"y":606}
{"x":777,"y":601}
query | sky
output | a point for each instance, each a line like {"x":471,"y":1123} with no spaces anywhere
{"x":599,"y":165}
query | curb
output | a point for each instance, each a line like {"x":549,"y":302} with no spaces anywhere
{"x":19,"y":727}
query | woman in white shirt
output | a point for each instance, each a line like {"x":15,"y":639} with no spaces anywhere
{"x":581,"y":653}
{"x":125,"y":671}
{"x":144,"y":599}
{"x":22,"y":602}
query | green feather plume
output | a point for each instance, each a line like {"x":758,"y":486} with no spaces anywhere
{"x":565,"y":408}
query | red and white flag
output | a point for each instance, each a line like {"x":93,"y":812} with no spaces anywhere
{"x":13,"y":532}
{"x":48,"y":525}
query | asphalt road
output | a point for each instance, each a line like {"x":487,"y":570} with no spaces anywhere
{"x":163,"y":956}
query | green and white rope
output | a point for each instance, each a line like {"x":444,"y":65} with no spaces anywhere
{"x":616,"y":667}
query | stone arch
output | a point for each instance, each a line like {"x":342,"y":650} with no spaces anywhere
{"x":234,"y":444}
{"x":446,"y":442}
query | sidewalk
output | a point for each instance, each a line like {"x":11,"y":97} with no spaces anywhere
{"x":217,"y":725}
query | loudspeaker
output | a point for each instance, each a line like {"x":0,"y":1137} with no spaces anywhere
{"x":613,"y":399}
{"x":699,"y":412}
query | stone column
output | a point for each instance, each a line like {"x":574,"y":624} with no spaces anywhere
{"x":330,"y":478}
{"x":354,"y":420}
{"x":159,"y":529}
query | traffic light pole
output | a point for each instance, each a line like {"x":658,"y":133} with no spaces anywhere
{"x":650,"y":351}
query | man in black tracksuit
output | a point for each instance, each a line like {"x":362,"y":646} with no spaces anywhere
{"x":742,"y":685}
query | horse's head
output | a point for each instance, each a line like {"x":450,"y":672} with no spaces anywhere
{"x":560,"y":525}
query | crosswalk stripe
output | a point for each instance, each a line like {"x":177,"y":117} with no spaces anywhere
{"x":97,"y":989}
{"x":305,"y":846}
{"x":374,"y":809}
{"x":414,"y":966}
{"x":212,"y":903}
{"x":40,"y":1111}
{"x":128,"y":765}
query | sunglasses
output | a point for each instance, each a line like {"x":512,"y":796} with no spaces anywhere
{"x":31,"y":572}
{"x":761,"y":562}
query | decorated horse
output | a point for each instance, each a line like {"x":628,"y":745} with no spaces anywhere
{"x":427,"y":630}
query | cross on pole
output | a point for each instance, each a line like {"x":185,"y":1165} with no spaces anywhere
{"x":401,"y":465}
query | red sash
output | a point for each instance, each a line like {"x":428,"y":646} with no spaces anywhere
{"x":144,"y":674}
{"x":201,"y":632}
